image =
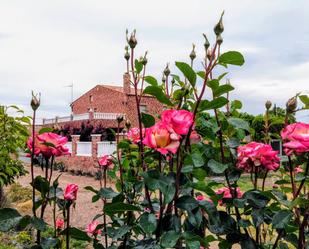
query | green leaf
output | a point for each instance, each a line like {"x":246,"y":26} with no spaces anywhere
{"x":169,"y":239}
{"x":77,"y":234}
{"x":232,"y":58}
{"x":239,"y":123}
{"x":168,"y":191}
{"x":216,"y":167}
{"x":158,"y":93}
{"x":236,"y":104}
{"x":197,"y":159}
{"x":223,"y":89}
{"x":201,"y":74}
{"x":282,"y":218}
{"x":148,"y":223}
{"x":38,"y":224}
{"x":148,"y":120}
{"x":9,"y":218}
{"x":213,"y":84}
{"x":186,"y":202}
{"x":119,"y":207}
{"x":45,"y":129}
{"x":138,"y":66}
{"x":151,"y":80}
{"x":305,"y":100}
{"x":187,"y":71}
{"x":41,"y":185}
{"x":107,"y":193}
{"x":214,"y":104}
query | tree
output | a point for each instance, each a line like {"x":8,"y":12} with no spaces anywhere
{"x":13,"y":136}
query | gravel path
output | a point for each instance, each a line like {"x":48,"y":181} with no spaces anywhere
{"x":84,"y":210}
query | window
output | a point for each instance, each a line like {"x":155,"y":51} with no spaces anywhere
{"x":143,"y":108}
{"x":91,"y":98}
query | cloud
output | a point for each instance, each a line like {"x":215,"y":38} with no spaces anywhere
{"x":47,"y":45}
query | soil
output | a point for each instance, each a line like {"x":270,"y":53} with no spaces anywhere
{"x":84,"y":210}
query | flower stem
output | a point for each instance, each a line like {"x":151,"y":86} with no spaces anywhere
{"x":68,"y":228}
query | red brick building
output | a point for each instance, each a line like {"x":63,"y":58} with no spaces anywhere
{"x":103,"y":103}
{"x":99,"y":107}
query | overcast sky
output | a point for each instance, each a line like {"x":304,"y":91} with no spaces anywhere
{"x":47,"y":45}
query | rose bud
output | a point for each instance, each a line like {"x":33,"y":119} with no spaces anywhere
{"x":144,"y":60}
{"x":219,"y":28}
{"x":119,"y":118}
{"x":128,"y":124}
{"x":193,"y":54}
{"x":268,"y":104}
{"x":206,"y":43}
{"x":291,"y":105}
{"x":70,"y":193}
{"x":35,"y":101}
{"x":59,"y":223}
{"x":132,"y":41}
{"x":166,"y":71}
{"x":127,"y":55}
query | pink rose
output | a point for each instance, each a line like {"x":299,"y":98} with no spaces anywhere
{"x":297,"y":138}
{"x":259,"y":155}
{"x":49,"y":144}
{"x":298,"y":169}
{"x":200,"y":198}
{"x":160,"y":138}
{"x":134,"y":134}
{"x":70,"y":193}
{"x":91,"y":228}
{"x":195,"y":137}
{"x":178,"y":120}
{"x":59,"y":223}
{"x":147,"y":210}
{"x":227,"y":193}
{"x":106,"y":161}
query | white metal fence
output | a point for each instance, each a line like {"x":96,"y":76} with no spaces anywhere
{"x":69,"y":146}
{"x":106,"y":148}
{"x":83,"y":116}
{"x":83,"y":148}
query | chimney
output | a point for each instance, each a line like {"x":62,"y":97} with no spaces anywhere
{"x":126,"y":83}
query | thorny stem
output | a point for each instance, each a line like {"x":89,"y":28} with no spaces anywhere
{"x":118,"y":156}
{"x":158,"y":233}
{"x":141,"y":145}
{"x":68,"y":228}
{"x":32,"y":162}
{"x":104,"y":215}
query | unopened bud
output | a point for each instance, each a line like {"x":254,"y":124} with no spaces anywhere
{"x":193,"y":54}
{"x":173,"y":81}
{"x":119,"y":118}
{"x":206,"y":43}
{"x":268,"y":104}
{"x":166,"y":71}
{"x":144,"y":60}
{"x":35,"y":101}
{"x":291,"y":105}
{"x":128,"y":124}
{"x":127,"y":55}
{"x":219,"y":28}
{"x":219,"y":39}
{"x":132,"y":40}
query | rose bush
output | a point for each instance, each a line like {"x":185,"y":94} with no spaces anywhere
{"x":177,"y":178}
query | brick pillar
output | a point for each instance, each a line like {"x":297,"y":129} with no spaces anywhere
{"x":75,"y":139}
{"x":95,"y":138}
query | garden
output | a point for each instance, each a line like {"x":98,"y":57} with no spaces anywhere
{"x":201,"y":174}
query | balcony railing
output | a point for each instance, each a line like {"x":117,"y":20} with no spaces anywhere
{"x":83,"y":116}
{"x":106,"y":116}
